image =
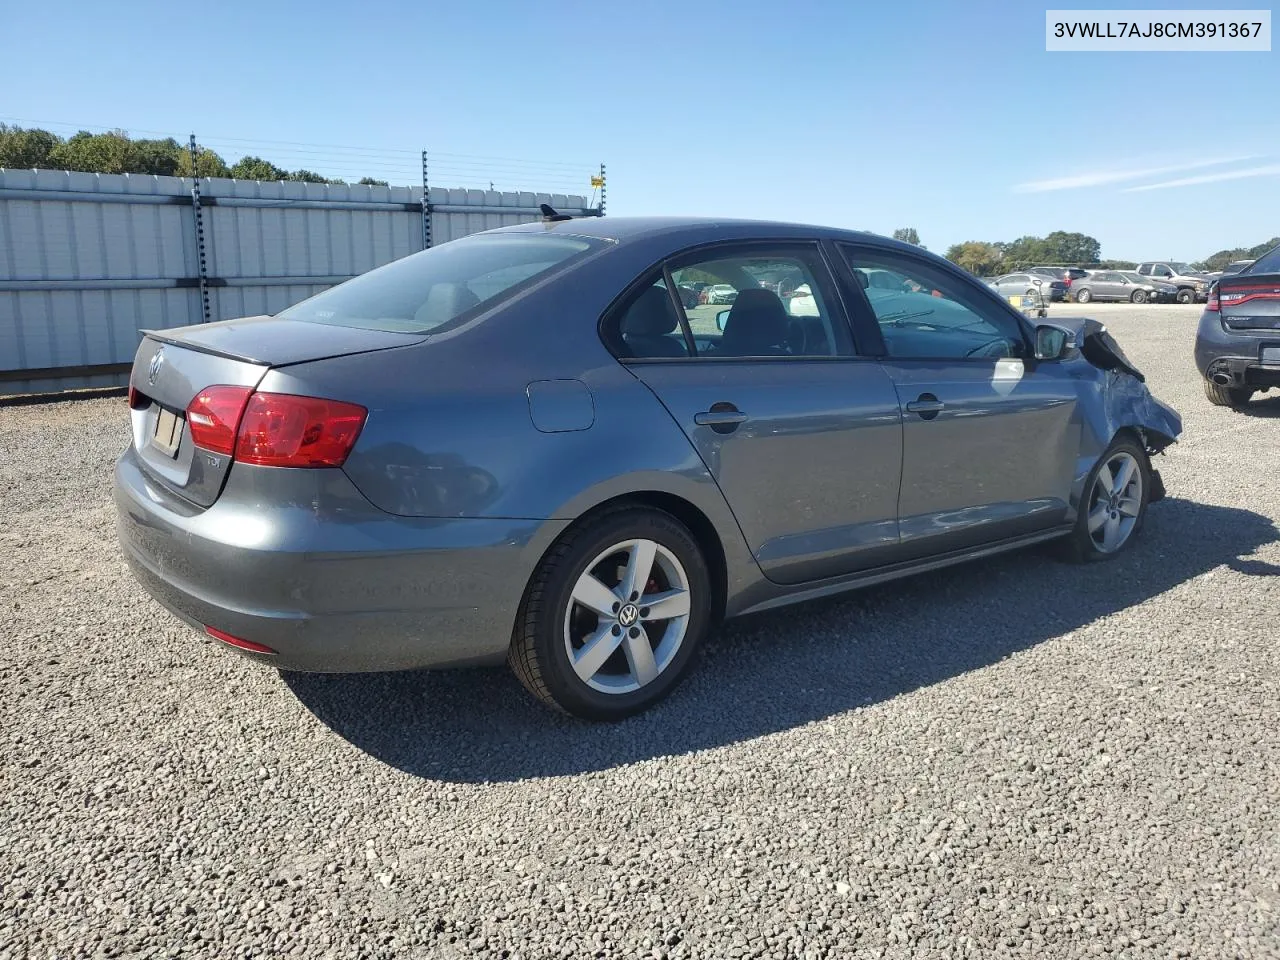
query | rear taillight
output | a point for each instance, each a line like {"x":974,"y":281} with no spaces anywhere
{"x":213,"y":415}
{"x":136,"y":400}
{"x":1067,"y":281}
{"x":281,"y":430}
{"x":1213,"y":300}
{"x":240,"y":642}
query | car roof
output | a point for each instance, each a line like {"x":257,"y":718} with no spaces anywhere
{"x":696,"y":229}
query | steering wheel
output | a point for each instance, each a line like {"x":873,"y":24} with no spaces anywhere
{"x":997,"y":348}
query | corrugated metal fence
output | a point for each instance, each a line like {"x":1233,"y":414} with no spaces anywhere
{"x":87,"y":260}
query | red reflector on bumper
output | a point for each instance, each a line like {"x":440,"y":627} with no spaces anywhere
{"x":237,"y":642}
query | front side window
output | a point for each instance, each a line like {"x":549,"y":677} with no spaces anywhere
{"x":926,"y":313}
{"x":427,"y":291}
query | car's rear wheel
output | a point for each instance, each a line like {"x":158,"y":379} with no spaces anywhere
{"x":1221,"y":395}
{"x":1083,"y":296}
{"x":1114,"y":504}
{"x":1139,"y":296}
{"x":613,"y":615}
{"x":1186,"y":296}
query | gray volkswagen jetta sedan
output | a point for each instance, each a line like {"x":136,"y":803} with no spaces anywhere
{"x":523,"y":445}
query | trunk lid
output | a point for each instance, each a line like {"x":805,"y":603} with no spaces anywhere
{"x":1250,"y":301}
{"x":171,"y":367}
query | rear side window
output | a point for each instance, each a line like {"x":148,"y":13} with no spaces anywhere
{"x":430,"y":290}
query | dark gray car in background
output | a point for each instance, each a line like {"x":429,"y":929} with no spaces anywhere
{"x":1114,"y":285}
{"x":524,"y":445}
{"x":1238,"y":342}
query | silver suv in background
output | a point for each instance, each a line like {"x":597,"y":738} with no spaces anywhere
{"x":1192,"y":285}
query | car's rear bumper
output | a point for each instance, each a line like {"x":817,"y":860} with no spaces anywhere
{"x":323,"y":578}
{"x":1235,"y":354}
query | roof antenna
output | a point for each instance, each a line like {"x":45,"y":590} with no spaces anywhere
{"x":550,"y":215}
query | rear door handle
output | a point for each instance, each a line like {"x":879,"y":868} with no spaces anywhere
{"x":926,"y":405}
{"x":719,"y":418}
{"x":722,"y":417}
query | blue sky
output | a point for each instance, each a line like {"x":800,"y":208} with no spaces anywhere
{"x":947,"y":117}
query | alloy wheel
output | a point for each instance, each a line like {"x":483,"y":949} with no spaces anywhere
{"x":1115,"y":503}
{"x":627,"y":617}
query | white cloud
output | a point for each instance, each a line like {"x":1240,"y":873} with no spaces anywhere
{"x":1099,"y":178}
{"x":1266,"y":171}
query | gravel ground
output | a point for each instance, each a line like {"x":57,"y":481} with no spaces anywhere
{"x":1014,"y":758}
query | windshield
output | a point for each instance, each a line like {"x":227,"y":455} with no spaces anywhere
{"x":423,"y":292}
{"x":1269,"y":262}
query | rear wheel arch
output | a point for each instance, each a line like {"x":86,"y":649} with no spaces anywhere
{"x":699,"y":525}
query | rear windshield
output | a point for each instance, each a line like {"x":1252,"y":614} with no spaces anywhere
{"x":425,"y":291}
{"x":1269,"y":262}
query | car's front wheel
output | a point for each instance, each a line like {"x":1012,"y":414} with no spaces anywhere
{"x":1223,"y":396}
{"x":613,"y":615}
{"x":1114,"y":503}
{"x":1186,"y":296}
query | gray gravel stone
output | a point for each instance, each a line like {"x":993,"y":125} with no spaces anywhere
{"x":1018,"y":758}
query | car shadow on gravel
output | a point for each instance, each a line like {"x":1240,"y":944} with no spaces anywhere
{"x":775,"y":671}
{"x":1268,"y":405}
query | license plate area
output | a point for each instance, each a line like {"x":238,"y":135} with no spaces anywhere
{"x":168,"y":432}
{"x":1270,"y":356}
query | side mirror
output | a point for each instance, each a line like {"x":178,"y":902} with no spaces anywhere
{"x":1053,"y":343}
{"x":721,"y":319}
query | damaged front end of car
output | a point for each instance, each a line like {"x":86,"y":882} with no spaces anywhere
{"x":1124,"y":402}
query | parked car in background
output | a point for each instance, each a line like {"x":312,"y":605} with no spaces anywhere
{"x":334,"y":489}
{"x":1158,"y":291}
{"x":1236,"y":266}
{"x":721,"y":293}
{"x":1192,"y":285}
{"x":1112,"y":285}
{"x":1068,"y":275}
{"x":689,"y":295}
{"x":1028,"y":283}
{"x":1238,"y":342}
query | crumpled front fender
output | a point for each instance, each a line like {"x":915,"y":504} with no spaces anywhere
{"x":1123,"y":402}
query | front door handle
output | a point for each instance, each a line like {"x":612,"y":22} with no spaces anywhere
{"x":722,"y":417}
{"x":927,"y":406}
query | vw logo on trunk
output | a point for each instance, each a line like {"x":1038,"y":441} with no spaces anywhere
{"x":153,"y":371}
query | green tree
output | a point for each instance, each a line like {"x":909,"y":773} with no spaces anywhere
{"x":208,"y":164}
{"x":907,"y":235}
{"x":976,"y":256}
{"x":95,"y":153}
{"x":1073,"y":248}
{"x":1223,"y":257}
{"x":255,"y":168}
{"x":157,"y":157}
{"x":306,"y":176}
{"x":25,"y":149}
{"x":371,"y":182}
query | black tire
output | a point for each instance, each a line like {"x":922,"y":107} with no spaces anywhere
{"x":1221,"y":395}
{"x":1080,"y":546}
{"x":1139,"y":296}
{"x":1186,"y":295}
{"x":1083,"y":296}
{"x":538,"y":654}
